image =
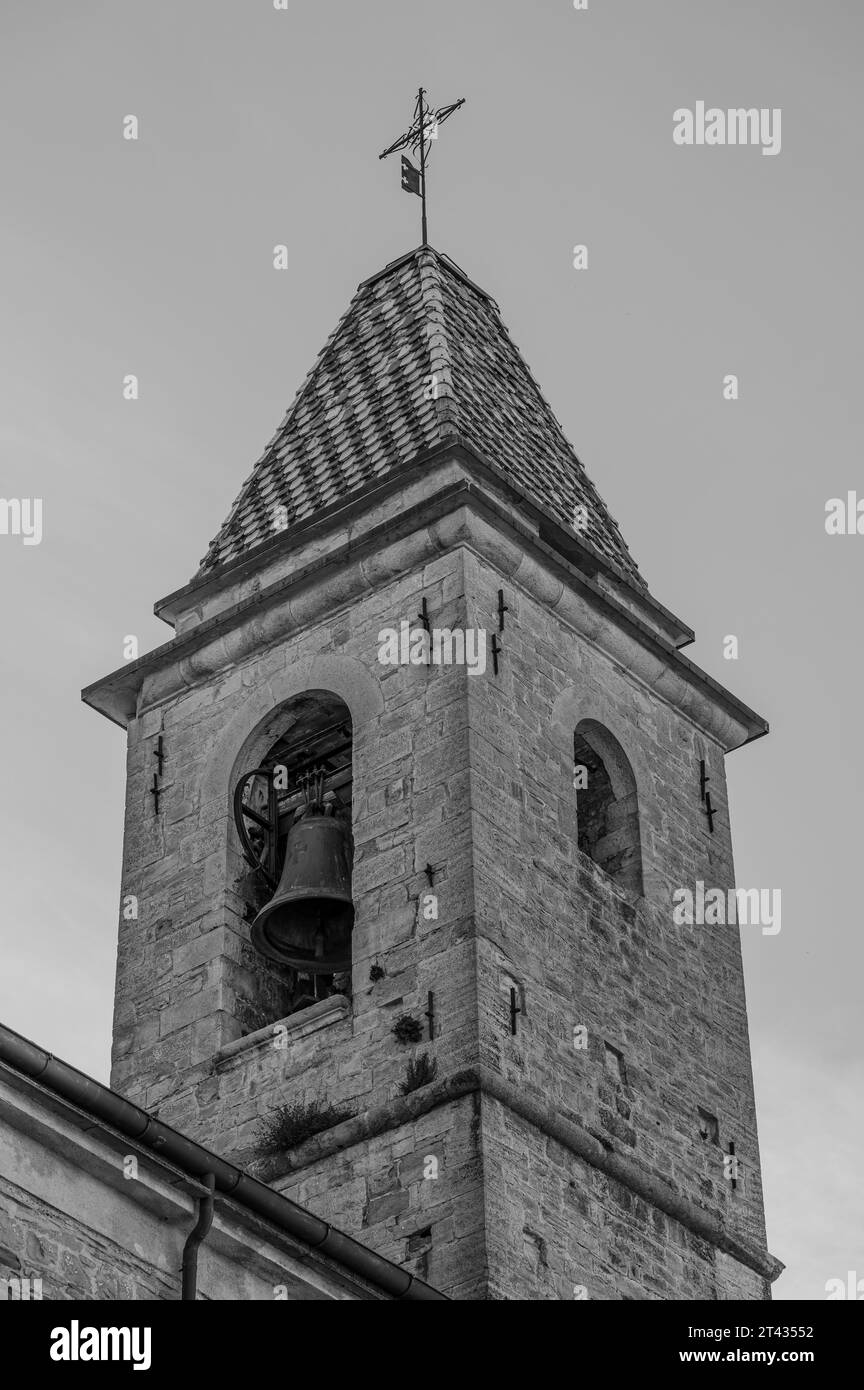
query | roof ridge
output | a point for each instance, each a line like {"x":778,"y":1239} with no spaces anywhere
{"x":440,"y":380}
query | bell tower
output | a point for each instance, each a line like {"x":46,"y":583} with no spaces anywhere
{"x":397,"y":933}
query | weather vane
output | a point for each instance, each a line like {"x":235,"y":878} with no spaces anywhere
{"x":423,"y":128}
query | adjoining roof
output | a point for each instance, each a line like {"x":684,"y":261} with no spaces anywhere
{"x":109,"y":1110}
{"x":419,"y":358}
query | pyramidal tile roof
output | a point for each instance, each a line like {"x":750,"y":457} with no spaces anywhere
{"x":419,"y":358}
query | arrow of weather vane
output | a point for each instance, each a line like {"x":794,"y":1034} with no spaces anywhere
{"x":423,"y":129}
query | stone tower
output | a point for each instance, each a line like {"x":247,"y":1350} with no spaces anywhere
{"x":529,"y":1083}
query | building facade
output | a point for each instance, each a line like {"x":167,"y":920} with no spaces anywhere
{"x":99,"y":1202}
{"x":520,"y":1079}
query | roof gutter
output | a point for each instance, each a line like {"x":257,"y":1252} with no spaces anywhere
{"x":106,"y":1105}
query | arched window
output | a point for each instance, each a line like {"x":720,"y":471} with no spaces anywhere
{"x":295,"y":804}
{"x":607,"y":811}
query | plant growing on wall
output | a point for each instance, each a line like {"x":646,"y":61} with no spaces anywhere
{"x":406,"y":1029}
{"x":289,"y":1125}
{"x":421,"y":1070}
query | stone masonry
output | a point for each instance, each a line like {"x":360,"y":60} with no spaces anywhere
{"x":528,"y":1167}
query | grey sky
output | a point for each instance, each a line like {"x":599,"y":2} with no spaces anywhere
{"x":261,"y":127}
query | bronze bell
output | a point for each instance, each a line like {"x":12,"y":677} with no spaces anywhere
{"x":308,"y":921}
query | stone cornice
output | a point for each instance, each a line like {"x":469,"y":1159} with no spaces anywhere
{"x":530,"y":516}
{"x":462,"y":514}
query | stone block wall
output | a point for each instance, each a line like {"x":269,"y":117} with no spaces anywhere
{"x":559,"y":1228}
{"x":72,"y":1260}
{"x":187,"y":983}
{"x":659,"y":1008}
{"x":84,"y":1214}
{"x":187,"y":978}
{"x":472,"y":775}
{"x":414,"y":1193}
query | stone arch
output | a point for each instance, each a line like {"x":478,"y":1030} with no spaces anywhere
{"x":626,"y":776}
{"x":608,"y":806}
{"x":272,"y":990}
{"x":300,"y":780}
{"x":247,"y":732}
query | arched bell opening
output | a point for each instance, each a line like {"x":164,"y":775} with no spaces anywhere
{"x":607,"y":808}
{"x":293,"y":812}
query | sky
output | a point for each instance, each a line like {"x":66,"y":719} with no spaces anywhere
{"x":261,"y":127}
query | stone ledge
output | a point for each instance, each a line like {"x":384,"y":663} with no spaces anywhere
{"x":571,"y":1136}
{"x":298,"y":1025}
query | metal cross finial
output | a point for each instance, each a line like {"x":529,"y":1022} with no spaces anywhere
{"x":423,"y":128}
